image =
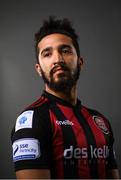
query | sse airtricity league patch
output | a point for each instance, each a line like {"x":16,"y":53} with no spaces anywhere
{"x":26,"y":149}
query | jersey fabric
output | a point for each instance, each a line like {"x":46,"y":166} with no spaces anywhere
{"x":74,"y":142}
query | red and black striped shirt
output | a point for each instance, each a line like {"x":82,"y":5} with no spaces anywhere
{"x":74,"y":141}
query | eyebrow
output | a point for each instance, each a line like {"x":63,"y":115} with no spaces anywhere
{"x":60,"y":47}
{"x":46,"y":49}
{"x":65,"y":46}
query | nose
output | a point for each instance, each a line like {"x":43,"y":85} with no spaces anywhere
{"x":58,"y":57}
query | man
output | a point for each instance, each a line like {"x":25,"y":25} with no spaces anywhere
{"x":57,"y":137}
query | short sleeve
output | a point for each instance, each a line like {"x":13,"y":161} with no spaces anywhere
{"x":31,"y":140}
{"x":112,"y":163}
{"x":111,"y":160}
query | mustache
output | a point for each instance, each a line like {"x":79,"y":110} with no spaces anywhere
{"x":59,"y":65}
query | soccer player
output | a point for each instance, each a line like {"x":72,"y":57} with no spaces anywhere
{"x":56,"y":136}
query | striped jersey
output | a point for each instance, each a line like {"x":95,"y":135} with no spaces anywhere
{"x":74,"y":142}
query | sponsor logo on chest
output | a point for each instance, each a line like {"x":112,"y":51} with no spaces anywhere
{"x":78,"y":153}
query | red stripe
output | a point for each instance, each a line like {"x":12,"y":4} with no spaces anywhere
{"x":83,"y":166}
{"x":39,"y":102}
{"x":100,"y":140}
{"x":58,"y":147}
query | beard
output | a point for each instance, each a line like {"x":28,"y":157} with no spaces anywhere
{"x":66,"y":79}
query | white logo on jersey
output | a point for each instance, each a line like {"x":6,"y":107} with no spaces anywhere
{"x":26,"y":148}
{"x":65,"y":122}
{"x":24,"y":120}
{"x":78,"y":153}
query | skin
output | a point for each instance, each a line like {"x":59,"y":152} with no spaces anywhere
{"x":46,"y":63}
{"x":51,"y":53}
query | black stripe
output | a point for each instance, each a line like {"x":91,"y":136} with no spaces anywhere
{"x":106,"y":136}
{"x":69,"y":139}
{"x":91,"y":141}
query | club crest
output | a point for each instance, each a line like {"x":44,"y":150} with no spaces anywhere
{"x":101,"y":124}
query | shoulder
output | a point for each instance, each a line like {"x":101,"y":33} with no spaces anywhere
{"x":38,"y":104}
{"x":39,"y":107}
{"x":33,"y":118}
{"x":100,"y":120}
{"x":95,"y":113}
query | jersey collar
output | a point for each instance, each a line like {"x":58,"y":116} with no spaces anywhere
{"x":60,"y":101}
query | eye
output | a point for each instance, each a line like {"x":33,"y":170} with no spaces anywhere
{"x":66,"y":51}
{"x":46,"y":54}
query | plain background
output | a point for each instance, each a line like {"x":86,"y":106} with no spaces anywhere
{"x":98,"y":24}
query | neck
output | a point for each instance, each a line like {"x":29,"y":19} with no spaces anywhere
{"x":69,"y":96}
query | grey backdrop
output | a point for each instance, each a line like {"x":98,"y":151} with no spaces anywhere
{"x":98,"y":25}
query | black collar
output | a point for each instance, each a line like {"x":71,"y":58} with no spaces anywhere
{"x":56,"y":99}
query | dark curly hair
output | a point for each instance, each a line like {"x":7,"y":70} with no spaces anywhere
{"x":53,"y":25}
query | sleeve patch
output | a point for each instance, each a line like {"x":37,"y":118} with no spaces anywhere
{"x":24,"y":120}
{"x":26,"y":149}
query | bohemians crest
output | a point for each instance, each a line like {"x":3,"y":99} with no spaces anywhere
{"x":101,"y":124}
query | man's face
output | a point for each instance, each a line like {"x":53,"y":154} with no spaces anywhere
{"x":58,"y":62}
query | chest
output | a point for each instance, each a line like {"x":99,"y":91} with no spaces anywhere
{"x":78,"y":129}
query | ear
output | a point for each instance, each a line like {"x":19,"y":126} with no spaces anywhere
{"x":38,"y":69}
{"x":81,"y":62}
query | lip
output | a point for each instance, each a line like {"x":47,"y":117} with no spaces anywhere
{"x":59,"y":69}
